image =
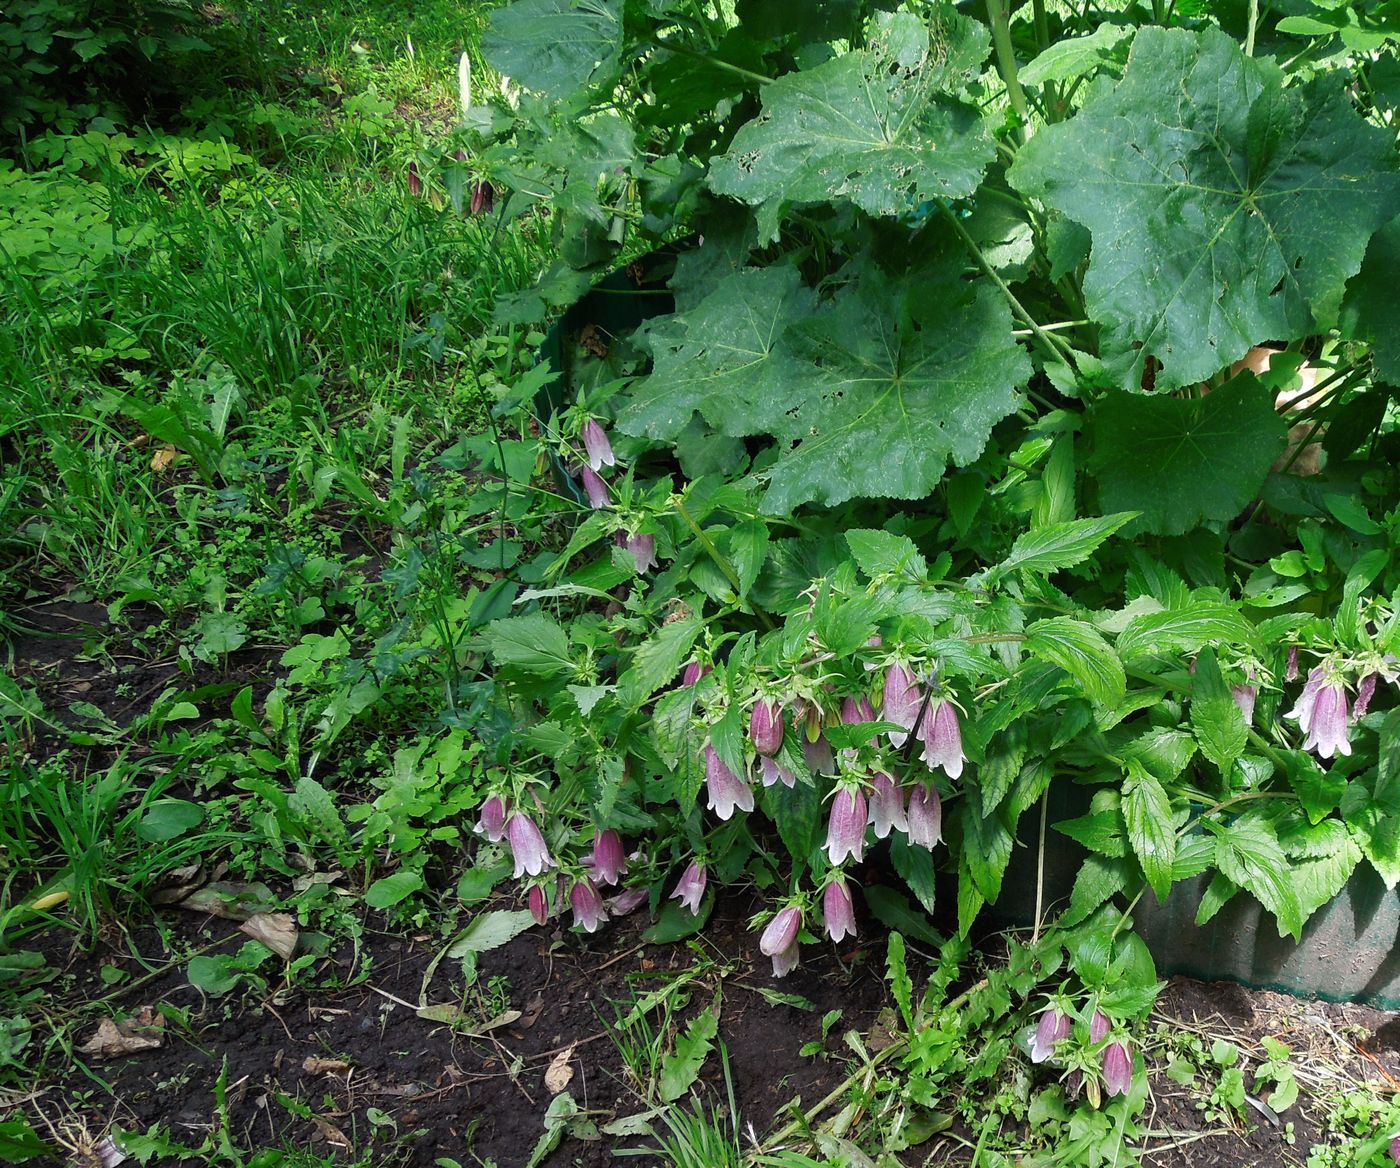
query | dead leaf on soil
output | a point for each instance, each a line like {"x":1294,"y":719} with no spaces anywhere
{"x":533,"y":1009}
{"x":560,"y":1072}
{"x":130,"y":1036}
{"x":505,"y":1018}
{"x":445,"y":1012}
{"x":330,"y":1133}
{"x":324,"y":1066}
{"x":163,"y":458}
{"x":278,"y":931}
{"x":230,"y":899}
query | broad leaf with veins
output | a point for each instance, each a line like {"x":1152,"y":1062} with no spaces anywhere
{"x":1225,"y":209}
{"x":879,"y":127}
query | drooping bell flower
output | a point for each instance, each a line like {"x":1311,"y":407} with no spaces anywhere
{"x":779,"y":940}
{"x":596,"y":444}
{"x":772,"y":771}
{"x":818,"y":755}
{"x":594,"y":488}
{"x":627,"y":902}
{"x":1321,"y":713}
{"x":415,"y":184}
{"x":588,"y":905}
{"x":483,"y":198}
{"x":690,"y":888}
{"x":1117,"y":1069}
{"x":1395,"y":1149}
{"x":527,"y":846}
{"x":845,"y":832}
{"x":692,"y":673}
{"x":1052,"y":1027}
{"x":903,"y":697}
{"x":1365,"y":691}
{"x":643,"y":549}
{"x":1099,"y":1026}
{"x":608,"y":861}
{"x":856,"y":711}
{"x":839,"y":911}
{"x":887,"y":806}
{"x":942,"y":737}
{"x":925,"y":816}
{"x":724,"y":788}
{"x":1245,"y":697}
{"x":766,"y":727}
{"x":492,"y":821}
{"x":539,"y":904}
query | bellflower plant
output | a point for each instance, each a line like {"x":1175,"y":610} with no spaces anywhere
{"x":779,"y":939}
{"x":690,"y":889}
{"x":527,"y":846}
{"x":845,"y":833}
{"x":838,"y":911}
{"x":727,"y":790}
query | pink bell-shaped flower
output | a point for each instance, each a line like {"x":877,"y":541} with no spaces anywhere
{"x":1052,"y":1027}
{"x":925,"y":816}
{"x":779,"y":940}
{"x":1099,"y":1026}
{"x":1365,"y":691}
{"x":724,"y":788}
{"x":772,"y":771}
{"x":1117,"y":1069}
{"x":596,"y":444}
{"x":627,"y":902}
{"x":839,"y":911}
{"x":942,"y":737}
{"x":766,"y":727}
{"x":818,"y":754}
{"x":845,"y":832}
{"x":539,"y":904}
{"x":492,"y":820}
{"x":855,"y":711}
{"x":887,"y":806}
{"x":903,"y":697}
{"x":1322,"y":715}
{"x":643,"y":549}
{"x":594,"y":488}
{"x":690,"y":888}
{"x":609,"y":860}
{"x":588,"y":905}
{"x":527,"y":846}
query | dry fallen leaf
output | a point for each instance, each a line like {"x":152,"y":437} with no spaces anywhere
{"x":560,"y":1072}
{"x":278,"y":931}
{"x":330,"y":1133}
{"x":163,"y":458}
{"x":130,"y":1036}
{"x":324,"y":1066}
{"x":533,"y":1009}
{"x":230,"y":899}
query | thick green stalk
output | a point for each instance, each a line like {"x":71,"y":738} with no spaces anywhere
{"x":1000,"y":16}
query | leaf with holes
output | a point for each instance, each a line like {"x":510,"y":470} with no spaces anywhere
{"x":1225,"y":209}
{"x":879,"y":127}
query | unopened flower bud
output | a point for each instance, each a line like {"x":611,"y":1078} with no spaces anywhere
{"x":539,"y":904}
{"x":766,"y":727}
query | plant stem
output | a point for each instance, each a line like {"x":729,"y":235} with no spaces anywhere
{"x":1042,"y":25}
{"x":1253,"y":24}
{"x":1000,"y":17}
{"x":1055,"y":344}
{"x":1040,"y":867}
{"x":715,"y":62}
{"x":721,"y":560}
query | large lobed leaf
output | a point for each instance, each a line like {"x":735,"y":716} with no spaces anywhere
{"x":1225,"y":209}
{"x":555,"y":46}
{"x":878,"y":127}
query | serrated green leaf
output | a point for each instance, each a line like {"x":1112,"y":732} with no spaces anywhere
{"x":1102,"y":832}
{"x":1323,"y":858}
{"x":986,"y":849}
{"x":1100,"y":877}
{"x":19,"y":1143}
{"x":1216,"y":719}
{"x":897,"y":974}
{"x":681,"y":1067}
{"x":878,"y":127}
{"x":1219,"y":892}
{"x":658,"y":660}
{"x":797,"y":812}
{"x":1185,"y":630}
{"x":1147,"y":813}
{"x":1226,"y":209}
{"x":1248,"y":854}
{"x":533,"y":643}
{"x":1070,"y":59}
{"x":1060,"y":545}
{"x":915,"y":866}
{"x":555,"y":47}
{"x":892,"y":909}
{"x":489,"y":930}
{"x":1182,"y":461}
{"x":1372,"y":304}
{"x":389,"y":890}
{"x":879,"y":553}
{"x":1078,"y":649}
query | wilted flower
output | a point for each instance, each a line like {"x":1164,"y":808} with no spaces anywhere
{"x":845,"y":832}
{"x":726,"y":790}
{"x":766,"y":727}
{"x":887,"y":806}
{"x":925,"y":816}
{"x":818,"y":755}
{"x":1052,"y":1027}
{"x":608,"y":861}
{"x":855,"y":711}
{"x":595,"y":442}
{"x":779,"y":940}
{"x":595,"y":488}
{"x":415,"y":184}
{"x":942,"y":737}
{"x":492,"y":821}
{"x":627,"y":902}
{"x":1245,"y":696}
{"x":1365,"y":691}
{"x":483,"y":198}
{"x":527,"y":846}
{"x":690,"y":889}
{"x":903,"y":697}
{"x":1099,"y":1027}
{"x":588,"y":905}
{"x":539,"y":904}
{"x":1321,"y":713}
{"x":839,"y":912}
{"x":1117,"y":1069}
{"x":772,"y":771}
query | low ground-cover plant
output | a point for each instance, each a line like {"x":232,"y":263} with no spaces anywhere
{"x":1063,"y":284}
